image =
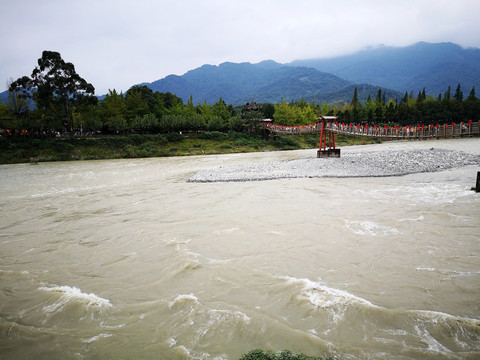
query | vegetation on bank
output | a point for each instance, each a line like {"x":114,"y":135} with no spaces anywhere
{"x":53,"y":115}
{"x":24,"y":149}
{"x":56,"y":100}
{"x":259,"y":354}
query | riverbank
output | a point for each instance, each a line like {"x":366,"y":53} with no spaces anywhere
{"x":24,"y":149}
{"x":378,"y":161}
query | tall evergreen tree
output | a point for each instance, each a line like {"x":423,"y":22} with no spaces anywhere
{"x":472,"y":95}
{"x":447,"y":94}
{"x":355,"y":101}
{"x":379,"y":96}
{"x":458,"y":94}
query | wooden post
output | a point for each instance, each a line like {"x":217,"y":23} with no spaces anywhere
{"x":477,"y":187}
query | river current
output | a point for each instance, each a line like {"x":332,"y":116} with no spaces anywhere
{"x":125,"y":259}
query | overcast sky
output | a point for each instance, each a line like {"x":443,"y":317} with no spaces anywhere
{"x":115,"y":44}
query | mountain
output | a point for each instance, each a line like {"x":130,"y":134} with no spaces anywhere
{"x":236,"y":84}
{"x":411,"y":68}
{"x":395,"y":70}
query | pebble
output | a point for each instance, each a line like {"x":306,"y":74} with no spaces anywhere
{"x":349,"y":165}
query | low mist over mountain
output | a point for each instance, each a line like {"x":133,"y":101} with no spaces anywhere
{"x":395,"y":70}
{"x":412,"y":68}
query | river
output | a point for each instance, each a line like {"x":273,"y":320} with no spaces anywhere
{"x":125,"y":259}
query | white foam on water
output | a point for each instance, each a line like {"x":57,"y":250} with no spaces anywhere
{"x":273,"y":232}
{"x":97,"y":337}
{"x":421,"y":193}
{"x":221,"y":314}
{"x":420,"y":218}
{"x":69,"y":295}
{"x":459,"y":328}
{"x":174,"y":241}
{"x":463,"y":273}
{"x":433,"y":344}
{"x":436,"y":317}
{"x":425,"y":269}
{"x":209,"y":260}
{"x":226,"y":231}
{"x":370,"y":228}
{"x":335,"y":301}
{"x":54,"y":191}
{"x":183,"y":299}
{"x":449,"y":273}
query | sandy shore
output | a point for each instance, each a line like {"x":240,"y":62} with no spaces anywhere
{"x":388,"y":159}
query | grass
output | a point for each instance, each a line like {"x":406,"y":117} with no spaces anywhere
{"x":25,"y":149}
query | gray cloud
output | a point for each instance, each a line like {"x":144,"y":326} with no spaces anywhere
{"x":115,"y":44}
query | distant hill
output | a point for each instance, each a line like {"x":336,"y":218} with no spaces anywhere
{"x":236,"y":84}
{"x":395,"y":70}
{"x":412,"y":68}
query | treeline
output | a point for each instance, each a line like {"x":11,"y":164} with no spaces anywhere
{"x":139,"y":110}
{"x":443,"y":109}
{"x":55,"y":99}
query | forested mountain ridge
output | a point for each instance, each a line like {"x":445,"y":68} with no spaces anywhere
{"x":434,"y":67}
{"x":266,"y":81}
{"x":431,"y":66}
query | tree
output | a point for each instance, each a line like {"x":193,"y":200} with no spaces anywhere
{"x":113,"y":105}
{"x":284,"y":114}
{"x":472,"y":95}
{"x":140,"y":100}
{"x":220,"y":109}
{"x":17,"y":102}
{"x":458,"y":94}
{"x":447,"y":95}
{"x":55,"y":87}
{"x":355,"y":101}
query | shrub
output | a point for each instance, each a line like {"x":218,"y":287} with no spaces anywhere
{"x":62,"y":146}
{"x":286,"y":143}
{"x":213,"y":135}
{"x":174,"y":137}
{"x":313,"y":142}
{"x":259,"y":354}
{"x":136,"y":139}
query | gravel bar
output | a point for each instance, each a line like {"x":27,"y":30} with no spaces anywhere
{"x":349,"y":165}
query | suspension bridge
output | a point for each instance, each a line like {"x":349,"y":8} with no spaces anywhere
{"x":329,"y":126}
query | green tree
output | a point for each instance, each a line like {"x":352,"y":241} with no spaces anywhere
{"x":145,"y":123}
{"x":355,"y":101}
{"x":458,"y":94}
{"x":136,"y":104}
{"x":55,"y":87}
{"x":16,"y":101}
{"x":220,"y":109}
{"x":112,"y":106}
{"x":140,"y":100}
{"x":472,"y":95}
{"x":284,"y":114}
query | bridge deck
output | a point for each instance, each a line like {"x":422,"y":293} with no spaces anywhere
{"x":387,"y":133}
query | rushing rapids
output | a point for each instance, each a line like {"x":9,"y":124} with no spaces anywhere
{"x":127,"y":259}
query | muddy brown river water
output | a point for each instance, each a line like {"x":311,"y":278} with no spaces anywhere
{"x":125,"y":259}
